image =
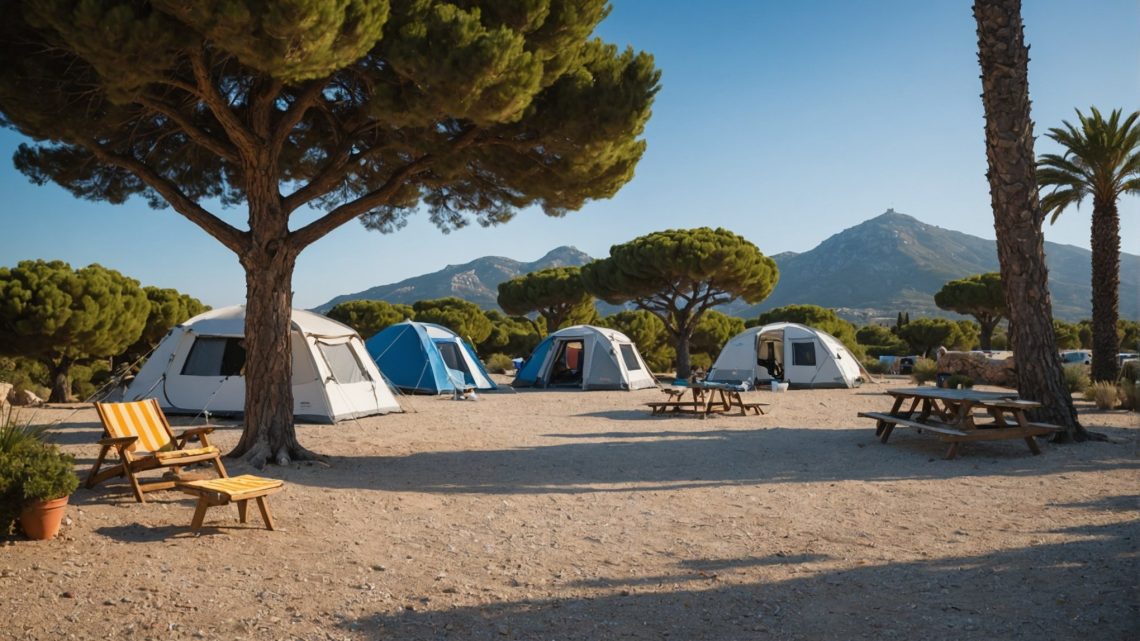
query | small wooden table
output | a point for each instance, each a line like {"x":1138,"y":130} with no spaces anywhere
{"x":236,"y":489}
{"x":951,"y":414}
{"x":707,"y":398}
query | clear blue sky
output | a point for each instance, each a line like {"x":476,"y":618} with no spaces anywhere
{"x":785,"y":122}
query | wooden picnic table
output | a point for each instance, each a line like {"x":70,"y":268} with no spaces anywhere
{"x":706,"y":398}
{"x":954,"y":415}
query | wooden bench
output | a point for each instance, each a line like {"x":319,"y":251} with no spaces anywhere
{"x":660,"y":407}
{"x":755,"y":407}
{"x":887,"y":421}
{"x":237,"y":489}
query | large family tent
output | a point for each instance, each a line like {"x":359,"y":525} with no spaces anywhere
{"x":198,"y":367}
{"x":426,"y":358}
{"x":801,"y":356}
{"x":587,"y":357}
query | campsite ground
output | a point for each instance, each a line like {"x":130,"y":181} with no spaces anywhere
{"x":569,"y":515}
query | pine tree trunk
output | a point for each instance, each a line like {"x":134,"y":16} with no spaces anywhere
{"x":1018,"y":215}
{"x":684,"y":362}
{"x":1105,"y":290}
{"x":986,"y":336}
{"x":269,"y":434}
{"x":61,"y":381}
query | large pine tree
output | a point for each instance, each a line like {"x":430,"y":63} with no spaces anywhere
{"x":363,"y":108}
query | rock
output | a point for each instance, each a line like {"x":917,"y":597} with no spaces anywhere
{"x":983,"y":370}
{"x":25,"y":397}
{"x":5,"y":390}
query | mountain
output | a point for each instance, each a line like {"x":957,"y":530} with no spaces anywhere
{"x":874,"y":270}
{"x":476,"y":281}
{"x":894,"y":262}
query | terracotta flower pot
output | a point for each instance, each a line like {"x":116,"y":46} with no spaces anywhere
{"x":40,"y":519}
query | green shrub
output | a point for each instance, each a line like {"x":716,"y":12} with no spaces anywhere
{"x":959,"y":380}
{"x":925,"y":370}
{"x":1130,"y":395}
{"x":1103,"y":394}
{"x":30,"y":469}
{"x":499,"y":363}
{"x":1076,"y":378}
{"x":875,"y":366}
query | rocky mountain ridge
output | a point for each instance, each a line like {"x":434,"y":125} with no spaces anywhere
{"x":890,"y":263}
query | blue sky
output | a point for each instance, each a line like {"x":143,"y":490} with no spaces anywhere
{"x":785,"y":122}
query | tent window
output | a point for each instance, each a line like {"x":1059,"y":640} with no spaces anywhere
{"x":803,"y":354}
{"x":630,"y":357}
{"x":215,"y":356}
{"x":451,"y":356}
{"x":343,"y":364}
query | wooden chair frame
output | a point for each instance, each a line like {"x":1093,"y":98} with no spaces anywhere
{"x":172,"y":454}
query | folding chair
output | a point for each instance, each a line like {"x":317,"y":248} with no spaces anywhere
{"x":139,"y":432}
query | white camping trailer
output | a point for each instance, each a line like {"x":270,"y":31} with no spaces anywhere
{"x":802,"y":356}
{"x":587,"y":357}
{"x":198,"y":367}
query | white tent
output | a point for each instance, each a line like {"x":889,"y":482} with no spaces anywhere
{"x":587,"y":357}
{"x":801,"y":356}
{"x":197,"y":367}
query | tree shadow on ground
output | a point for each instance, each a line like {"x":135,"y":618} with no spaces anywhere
{"x":1075,"y":590}
{"x":627,"y":415}
{"x":624,"y":461}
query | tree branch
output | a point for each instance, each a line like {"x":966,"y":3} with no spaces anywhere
{"x":218,"y":105}
{"x":293,"y":115}
{"x":310,"y":233}
{"x":261,"y":108}
{"x":199,"y":136}
{"x":226,"y":234}
{"x":332,"y":173}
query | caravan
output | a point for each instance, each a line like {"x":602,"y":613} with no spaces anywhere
{"x":426,"y":358}
{"x":586,"y":357}
{"x":198,"y":368}
{"x":802,"y":356}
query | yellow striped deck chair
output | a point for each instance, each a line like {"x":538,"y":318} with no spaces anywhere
{"x":140,"y":434}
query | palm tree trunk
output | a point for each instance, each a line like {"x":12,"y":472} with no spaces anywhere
{"x":1105,"y":290}
{"x":1018,"y":215}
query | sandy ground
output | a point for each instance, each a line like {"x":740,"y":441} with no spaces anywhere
{"x":572,"y":515}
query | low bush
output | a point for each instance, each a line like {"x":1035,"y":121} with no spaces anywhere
{"x":876,"y":366}
{"x":959,"y":380}
{"x":1130,"y":371}
{"x":1129,"y":393}
{"x":1076,"y":378}
{"x":1103,"y":394}
{"x":925,"y":370}
{"x":499,"y":363}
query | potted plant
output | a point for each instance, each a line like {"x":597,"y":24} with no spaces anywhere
{"x":35,"y":480}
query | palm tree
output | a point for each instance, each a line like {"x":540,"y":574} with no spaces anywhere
{"x":1018,"y":216}
{"x":1101,"y":159}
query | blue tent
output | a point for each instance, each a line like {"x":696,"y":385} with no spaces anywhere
{"x":425,"y":358}
{"x":529,"y":374}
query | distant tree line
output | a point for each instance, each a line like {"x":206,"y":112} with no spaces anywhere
{"x":65,"y":332}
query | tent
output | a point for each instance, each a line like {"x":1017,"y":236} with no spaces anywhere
{"x":799,"y":355}
{"x":198,"y":367}
{"x":426,"y":358}
{"x":587,"y":357}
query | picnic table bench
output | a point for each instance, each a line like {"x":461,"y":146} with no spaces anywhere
{"x":952,"y":414}
{"x":706,"y":398}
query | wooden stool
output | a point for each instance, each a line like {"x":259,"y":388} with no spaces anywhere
{"x":238,"y":489}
